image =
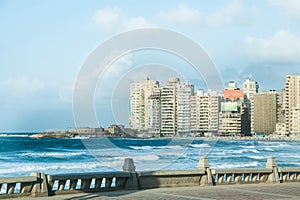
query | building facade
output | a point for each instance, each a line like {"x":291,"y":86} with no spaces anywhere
{"x":265,"y":113}
{"x":231,"y":116}
{"x":292,"y":100}
{"x":140,"y":91}
{"x":153,"y":108}
{"x":205,"y":113}
{"x":184,"y":93}
{"x":250,"y":88}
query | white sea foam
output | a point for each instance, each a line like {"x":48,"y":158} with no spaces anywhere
{"x":257,"y":157}
{"x":53,"y":154}
{"x":27,"y":168}
{"x":234,"y":165}
{"x":13,"y":135}
{"x":156,"y":147}
{"x":200,"y":145}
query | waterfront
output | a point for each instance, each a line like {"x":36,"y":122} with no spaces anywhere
{"x":23,"y":155}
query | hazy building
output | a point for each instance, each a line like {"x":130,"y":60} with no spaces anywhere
{"x":205,"y":113}
{"x":292,"y":99}
{"x":184,"y":93}
{"x":139,"y":92}
{"x":280,"y":124}
{"x":153,"y":108}
{"x":168,"y":107}
{"x":295,"y":131}
{"x":250,"y":87}
{"x":265,"y":112}
{"x":232,"y":115}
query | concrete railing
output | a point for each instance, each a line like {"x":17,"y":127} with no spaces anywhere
{"x":289,"y":174}
{"x":18,"y":186}
{"x":86,"y":182}
{"x":40,"y":184}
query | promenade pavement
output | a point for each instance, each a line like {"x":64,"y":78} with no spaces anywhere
{"x":290,"y":191}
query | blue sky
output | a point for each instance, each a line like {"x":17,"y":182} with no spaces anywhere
{"x":44,"y":43}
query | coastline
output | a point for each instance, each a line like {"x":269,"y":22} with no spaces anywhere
{"x":60,"y":135}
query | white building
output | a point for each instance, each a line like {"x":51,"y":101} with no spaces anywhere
{"x":205,"y":113}
{"x":184,"y":93}
{"x":292,"y":99}
{"x":168,"y":107}
{"x":250,"y":88}
{"x":139,"y":92}
{"x":295,"y":131}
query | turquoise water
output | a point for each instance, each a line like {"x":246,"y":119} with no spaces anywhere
{"x":21,"y":155}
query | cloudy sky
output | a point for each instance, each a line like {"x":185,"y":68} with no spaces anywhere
{"x":43,"y":45}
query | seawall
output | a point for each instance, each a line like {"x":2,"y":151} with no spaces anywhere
{"x":42,"y":185}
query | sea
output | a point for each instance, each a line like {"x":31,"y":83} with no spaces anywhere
{"x":20,"y":155}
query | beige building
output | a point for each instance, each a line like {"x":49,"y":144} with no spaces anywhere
{"x":205,"y":113}
{"x":184,"y":93}
{"x":265,"y":112}
{"x":295,"y":131}
{"x":140,"y":91}
{"x":250,"y":88}
{"x":292,"y":100}
{"x":168,"y":107}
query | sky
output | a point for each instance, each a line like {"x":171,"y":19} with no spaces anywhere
{"x":44,"y":44}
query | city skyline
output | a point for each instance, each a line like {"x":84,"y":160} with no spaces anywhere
{"x":44,"y":44}
{"x":177,"y":109}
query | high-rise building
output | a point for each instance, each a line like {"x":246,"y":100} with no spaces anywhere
{"x":205,"y":113}
{"x":265,"y":112}
{"x":292,"y":100}
{"x":168,"y":107}
{"x":231,"y":116}
{"x":140,"y":91}
{"x":153,"y":107}
{"x":295,"y":130}
{"x":184,"y":93}
{"x":280,"y":124}
{"x":250,"y":87}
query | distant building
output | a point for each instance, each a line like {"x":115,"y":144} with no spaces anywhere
{"x":292,"y":100}
{"x":250,"y":87}
{"x":205,"y":113}
{"x":140,"y":91}
{"x":184,"y":93}
{"x":232,"y":115}
{"x":265,"y":112}
{"x":169,"y":107}
{"x":295,"y":129}
{"x":280,"y":124}
{"x":153,"y":116}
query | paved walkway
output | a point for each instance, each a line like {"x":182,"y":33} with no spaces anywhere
{"x":289,"y":191}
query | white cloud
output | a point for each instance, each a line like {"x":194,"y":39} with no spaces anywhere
{"x":22,"y":85}
{"x":282,"y":47}
{"x":113,"y":19}
{"x":233,"y":13}
{"x":291,"y":7}
{"x":138,"y":22}
{"x":108,"y":19}
{"x":181,"y":15}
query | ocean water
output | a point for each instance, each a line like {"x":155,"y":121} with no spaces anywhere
{"x":20,"y":155}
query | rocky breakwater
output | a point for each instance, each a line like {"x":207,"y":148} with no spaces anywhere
{"x":60,"y":134}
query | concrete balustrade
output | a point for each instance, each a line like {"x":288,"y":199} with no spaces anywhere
{"x":17,"y":186}
{"x":289,"y":174}
{"x":240,"y":176}
{"x":86,"y":182}
{"x":39,"y":184}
